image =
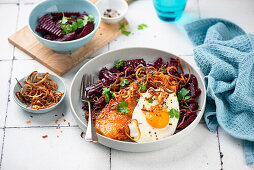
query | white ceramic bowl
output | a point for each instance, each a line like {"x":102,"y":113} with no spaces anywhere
{"x":120,"y":5}
{"x":107,"y":60}
{"x":61,"y":87}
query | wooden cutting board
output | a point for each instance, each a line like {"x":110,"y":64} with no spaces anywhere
{"x":62,"y":63}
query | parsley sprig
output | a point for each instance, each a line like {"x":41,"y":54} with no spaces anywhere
{"x":107,"y":94}
{"x":124,"y":82}
{"x":183,"y":95}
{"x":63,"y":20}
{"x":119,"y":64}
{"x":123,"y":107}
{"x":123,"y":29}
{"x":174,"y":113}
{"x":142,"y":86}
{"x":142,"y":26}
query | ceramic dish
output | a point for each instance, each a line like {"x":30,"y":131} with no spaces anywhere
{"x":120,"y":5}
{"x":60,"y":6}
{"x":108,"y":60}
{"x":56,"y":79}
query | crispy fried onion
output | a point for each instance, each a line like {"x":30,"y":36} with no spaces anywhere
{"x":127,"y":127}
{"x":39,"y":91}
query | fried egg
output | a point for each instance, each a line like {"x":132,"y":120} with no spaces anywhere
{"x":152,"y":121}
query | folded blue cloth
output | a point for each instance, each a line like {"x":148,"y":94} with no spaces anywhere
{"x":225,"y":54}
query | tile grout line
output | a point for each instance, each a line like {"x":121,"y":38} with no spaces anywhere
{"x":9,"y":81}
{"x":109,"y":158}
{"x":53,"y":126}
{"x":221,"y":154}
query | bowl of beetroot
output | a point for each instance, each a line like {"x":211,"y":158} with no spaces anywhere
{"x":64,"y":26}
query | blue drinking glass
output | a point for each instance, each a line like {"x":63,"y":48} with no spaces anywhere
{"x":169,"y":10}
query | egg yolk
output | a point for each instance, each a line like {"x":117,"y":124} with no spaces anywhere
{"x":157,"y":117}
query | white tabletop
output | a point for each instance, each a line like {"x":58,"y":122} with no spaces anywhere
{"x":21,"y":144}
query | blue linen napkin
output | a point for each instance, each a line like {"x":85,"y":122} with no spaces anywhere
{"x":225,"y":54}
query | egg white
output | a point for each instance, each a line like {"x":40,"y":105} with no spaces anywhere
{"x":149,"y":133}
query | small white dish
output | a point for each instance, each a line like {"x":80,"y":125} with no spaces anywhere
{"x":107,"y":60}
{"x":60,"y":87}
{"x":120,"y":6}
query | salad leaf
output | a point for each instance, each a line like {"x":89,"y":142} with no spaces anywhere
{"x":174,"y":113}
{"x":123,"y":107}
{"x":119,"y":64}
{"x":142,"y":86}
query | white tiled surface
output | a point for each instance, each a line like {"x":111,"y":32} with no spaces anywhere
{"x":178,"y":156}
{"x":23,"y":145}
{"x":25,"y":149}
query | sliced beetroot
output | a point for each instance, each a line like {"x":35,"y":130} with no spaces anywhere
{"x":106,"y":74}
{"x":194,"y":80}
{"x":86,"y":30}
{"x":192,"y":90}
{"x":94,"y":89}
{"x":52,"y":29}
{"x":49,"y":37}
{"x":191,"y":100}
{"x":158,"y":63}
{"x":193,"y":106}
{"x":82,"y":15}
{"x":188,"y":121}
{"x":66,"y":14}
{"x":198,"y":92}
{"x":132,"y":64}
{"x":100,"y":103}
{"x":38,"y":29}
{"x":114,"y":70}
{"x":68,"y":37}
{"x":102,"y":72}
{"x":46,"y":19}
{"x":172,"y":62}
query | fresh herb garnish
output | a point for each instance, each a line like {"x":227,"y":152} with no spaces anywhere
{"x":80,"y":23}
{"x":150,"y":101}
{"x":107,"y":94}
{"x":123,"y":29}
{"x":69,"y":28}
{"x":137,"y":100}
{"x":90,"y":17}
{"x":123,"y":107}
{"x":64,"y":20}
{"x":119,"y":64}
{"x":142,"y":86}
{"x":124,"y":82}
{"x":182,"y":95}
{"x":142,"y":26}
{"x":174,"y":113}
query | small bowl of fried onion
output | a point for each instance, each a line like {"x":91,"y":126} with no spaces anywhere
{"x":39,"y":92}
